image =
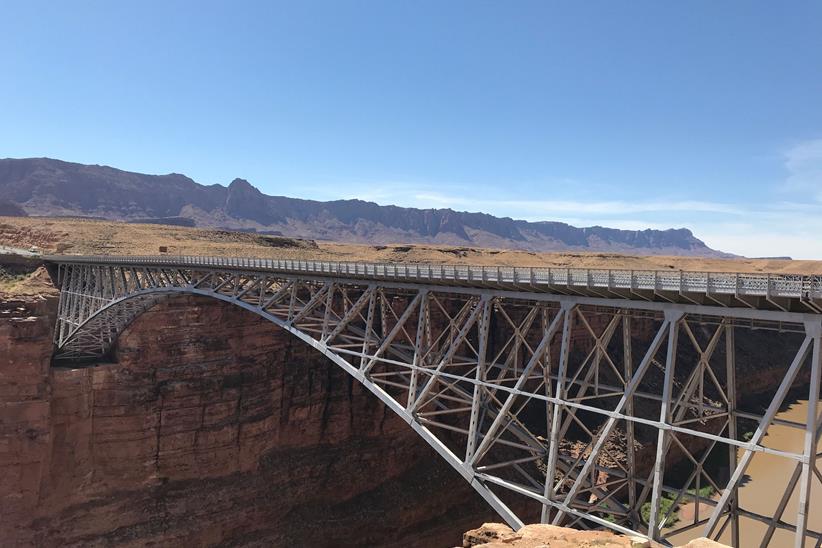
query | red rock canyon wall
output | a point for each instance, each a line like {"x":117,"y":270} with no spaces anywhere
{"x":214,"y":426}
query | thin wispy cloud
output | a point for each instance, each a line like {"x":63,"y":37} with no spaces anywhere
{"x":788,"y":226}
{"x":467,"y":198}
{"x":572,"y":206}
{"x":764,"y":229}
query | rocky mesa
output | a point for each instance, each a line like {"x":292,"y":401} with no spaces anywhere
{"x":43,"y":186}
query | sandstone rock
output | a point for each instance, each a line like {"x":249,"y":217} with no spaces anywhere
{"x":497,"y":535}
{"x":704,"y":543}
{"x":488,"y":532}
{"x":25,"y":416}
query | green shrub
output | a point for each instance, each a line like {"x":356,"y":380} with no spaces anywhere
{"x":665,"y":504}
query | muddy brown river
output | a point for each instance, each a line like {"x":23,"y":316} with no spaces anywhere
{"x":766,"y":480}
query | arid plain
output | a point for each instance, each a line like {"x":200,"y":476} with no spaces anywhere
{"x":88,"y":237}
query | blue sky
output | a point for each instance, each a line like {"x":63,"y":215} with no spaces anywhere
{"x":706,"y":115}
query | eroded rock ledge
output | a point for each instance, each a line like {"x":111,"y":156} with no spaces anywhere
{"x":497,"y":535}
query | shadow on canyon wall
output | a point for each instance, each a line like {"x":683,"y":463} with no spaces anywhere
{"x":212,"y":427}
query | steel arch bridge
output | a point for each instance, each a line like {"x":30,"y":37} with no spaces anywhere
{"x":589,"y":398}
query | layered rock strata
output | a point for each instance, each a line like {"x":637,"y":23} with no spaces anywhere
{"x":213,"y":427}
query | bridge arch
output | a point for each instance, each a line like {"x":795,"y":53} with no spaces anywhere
{"x":147,"y":298}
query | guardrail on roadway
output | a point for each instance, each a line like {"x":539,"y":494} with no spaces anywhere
{"x":610,"y":283}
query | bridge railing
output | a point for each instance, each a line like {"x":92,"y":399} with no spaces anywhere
{"x":657,"y":281}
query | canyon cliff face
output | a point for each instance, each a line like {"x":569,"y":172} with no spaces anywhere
{"x":25,"y":419}
{"x":213,"y":427}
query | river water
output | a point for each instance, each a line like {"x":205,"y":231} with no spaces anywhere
{"x":766,"y":480}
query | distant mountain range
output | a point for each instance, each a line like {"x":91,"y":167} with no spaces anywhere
{"x":43,"y":186}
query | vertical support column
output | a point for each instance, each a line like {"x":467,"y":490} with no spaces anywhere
{"x":122,"y":271}
{"x":556,"y":409}
{"x":384,"y":308}
{"x":421,"y":343}
{"x":665,"y":418}
{"x":292,"y":301}
{"x":112,"y":283}
{"x":105,"y":328}
{"x":548,"y":384}
{"x":263,"y":288}
{"x":61,"y":304}
{"x":733,"y":452}
{"x":369,"y":326}
{"x":813,"y":328}
{"x":628,"y":368}
{"x":479,"y":391}
{"x":78,"y":291}
{"x":64,"y":306}
{"x":136,"y":277}
{"x":329,"y":305}
{"x":514,"y":355}
{"x":85,"y":288}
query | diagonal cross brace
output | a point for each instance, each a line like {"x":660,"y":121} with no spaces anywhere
{"x":509,"y":401}
{"x":554,"y":411}
{"x":761,"y":429}
{"x":312,"y":303}
{"x":278,"y":294}
{"x":670,"y":316}
{"x":351,"y":314}
{"x":663,"y":435}
{"x":455,"y":344}
{"x":393,"y":334}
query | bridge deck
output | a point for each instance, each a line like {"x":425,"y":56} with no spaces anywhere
{"x":801,"y":293}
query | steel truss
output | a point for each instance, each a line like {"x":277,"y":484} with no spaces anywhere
{"x":575,"y":410}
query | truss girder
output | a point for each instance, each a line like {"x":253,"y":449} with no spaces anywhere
{"x":535,"y":399}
